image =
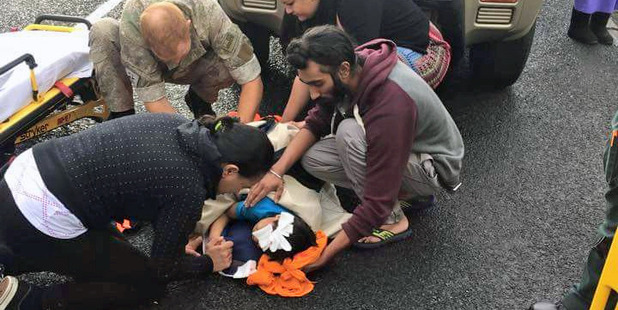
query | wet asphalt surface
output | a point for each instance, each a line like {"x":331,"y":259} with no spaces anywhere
{"x":517,"y":231}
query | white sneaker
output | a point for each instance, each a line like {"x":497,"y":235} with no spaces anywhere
{"x":8,"y":288}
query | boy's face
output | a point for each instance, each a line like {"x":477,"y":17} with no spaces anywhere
{"x":263,"y":223}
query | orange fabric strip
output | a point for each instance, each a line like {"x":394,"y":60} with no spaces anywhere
{"x":287,"y":279}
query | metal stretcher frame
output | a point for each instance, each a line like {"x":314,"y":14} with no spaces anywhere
{"x":54,"y":108}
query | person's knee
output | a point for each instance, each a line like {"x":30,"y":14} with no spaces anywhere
{"x":310,"y":161}
{"x":104,"y":36}
{"x":350,"y":138}
{"x":6,"y":260}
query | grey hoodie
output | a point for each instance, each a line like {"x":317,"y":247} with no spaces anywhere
{"x":401,"y":114}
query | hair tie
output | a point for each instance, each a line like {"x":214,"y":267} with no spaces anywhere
{"x":218,"y":125}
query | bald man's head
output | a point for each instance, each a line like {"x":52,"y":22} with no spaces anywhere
{"x":166,"y":31}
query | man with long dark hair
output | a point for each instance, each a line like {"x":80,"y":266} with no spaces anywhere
{"x":379,"y":129}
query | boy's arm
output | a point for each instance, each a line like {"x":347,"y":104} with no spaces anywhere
{"x":217,"y":227}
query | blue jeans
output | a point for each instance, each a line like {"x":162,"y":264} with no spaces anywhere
{"x":410,"y":57}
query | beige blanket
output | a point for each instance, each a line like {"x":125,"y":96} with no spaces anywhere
{"x":322,"y":211}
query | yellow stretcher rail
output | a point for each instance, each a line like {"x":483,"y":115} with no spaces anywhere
{"x":58,"y":108}
{"x":49,"y":28}
{"x":33,"y":106}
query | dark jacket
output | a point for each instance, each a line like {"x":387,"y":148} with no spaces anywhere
{"x":150,"y":167}
{"x":400,"y":21}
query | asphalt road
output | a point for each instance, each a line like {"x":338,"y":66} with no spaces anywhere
{"x":519,"y":228}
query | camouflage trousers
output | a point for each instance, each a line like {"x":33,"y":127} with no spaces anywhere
{"x":581,"y":295}
{"x":206,"y":76}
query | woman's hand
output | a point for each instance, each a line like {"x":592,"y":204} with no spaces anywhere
{"x":220,"y":251}
{"x":270,"y":182}
{"x":192,"y":245}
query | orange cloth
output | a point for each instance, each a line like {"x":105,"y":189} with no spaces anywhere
{"x":126,"y":224}
{"x":286,"y":279}
{"x":256,"y":118}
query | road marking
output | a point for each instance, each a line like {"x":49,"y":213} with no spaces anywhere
{"x":613,"y":30}
{"x":103,"y":10}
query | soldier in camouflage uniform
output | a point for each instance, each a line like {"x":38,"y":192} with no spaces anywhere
{"x":214,"y":54}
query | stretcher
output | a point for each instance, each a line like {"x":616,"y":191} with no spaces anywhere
{"x":47,"y":81}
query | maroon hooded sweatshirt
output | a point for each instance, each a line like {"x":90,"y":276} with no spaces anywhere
{"x":390,"y":97}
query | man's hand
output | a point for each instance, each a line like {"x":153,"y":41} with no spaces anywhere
{"x":192,"y":245}
{"x":317,"y":265}
{"x":220,"y":251}
{"x":340,"y":242}
{"x":267,"y":184}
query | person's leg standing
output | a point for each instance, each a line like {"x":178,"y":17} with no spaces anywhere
{"x":581,"y":296}
{"x":109,"y":72}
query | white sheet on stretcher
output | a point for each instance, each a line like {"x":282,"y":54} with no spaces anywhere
{"x":57,"y":54}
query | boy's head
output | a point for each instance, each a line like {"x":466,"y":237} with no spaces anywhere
{"x":283,"y":236}
{"x":166,"y":31}
{"x":325,"y":60}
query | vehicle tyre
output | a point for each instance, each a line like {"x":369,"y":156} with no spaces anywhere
{"x":499,"y":64}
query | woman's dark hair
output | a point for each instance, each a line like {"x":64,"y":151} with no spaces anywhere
{"x":326,"y":45}
{"x":242,"y":145}
{"x":301,"y":238}
{"x":292,"y":27}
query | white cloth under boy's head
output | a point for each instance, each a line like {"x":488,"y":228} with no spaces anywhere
{"x":276,"y":239}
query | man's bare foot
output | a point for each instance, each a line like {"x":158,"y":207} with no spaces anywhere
{"x":396,"y":228}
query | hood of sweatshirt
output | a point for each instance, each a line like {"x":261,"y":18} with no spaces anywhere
{"x":197,"y":140}
{"x":379,"y":56}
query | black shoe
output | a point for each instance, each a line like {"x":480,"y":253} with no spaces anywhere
{"x":114,"y":115}
{"x":544,"y":305}
{"x":198,"y":106}
{"x":579,"y":30}
{"x":15,"y":295}
{"x":598,"y":26}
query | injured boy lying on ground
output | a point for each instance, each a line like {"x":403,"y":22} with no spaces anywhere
{"x":282,"y":242}
{"x":272,"y":228}
{"x":277,"y":239}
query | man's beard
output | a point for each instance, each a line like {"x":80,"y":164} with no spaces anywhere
{"x":340,"y":90}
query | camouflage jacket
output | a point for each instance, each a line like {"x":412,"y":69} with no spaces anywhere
{"x":211,"y":31}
